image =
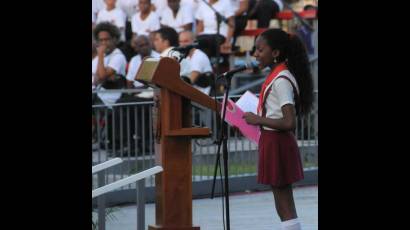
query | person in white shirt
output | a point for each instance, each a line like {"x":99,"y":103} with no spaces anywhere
{"x":165,"y":39}
{"x":146,"y":21}
{"x":113,"y":15}
{"x":129,"y":7}
{"x":159,"y":5}
{"x":143,"y":47}
{"x":108,"y":67}
{"x":286,"y":93}
{"x":177,"y":16}
{"x":198,"y":67}
{"x":96,"y":6}
{"x":207,"y":26}
{"x":193,"y":4}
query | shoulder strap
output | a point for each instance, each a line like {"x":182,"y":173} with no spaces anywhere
{"x":295,"y":95}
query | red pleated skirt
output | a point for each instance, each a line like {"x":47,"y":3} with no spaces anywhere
{"x":279,"y":159}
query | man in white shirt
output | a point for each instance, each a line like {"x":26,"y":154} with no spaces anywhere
{"x":198,"y":69}
{"x":113,"y":15}
{"x":165,"y":39}
{"x":180,"y":17}
{"x":143,"y":47}
{"x":198,"y":64}
{"x":108,"y":67}
{"x":145,"y":21}
{"x":207,"y":26}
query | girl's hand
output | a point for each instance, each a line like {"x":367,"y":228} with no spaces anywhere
{"x":251,"y":118}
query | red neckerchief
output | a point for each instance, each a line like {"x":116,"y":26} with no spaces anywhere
{"x":279,"y":68}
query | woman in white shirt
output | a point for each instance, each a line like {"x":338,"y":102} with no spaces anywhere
{"x":145,"y":21}
{"x":178,"y":16}
{"x":113,"y":15}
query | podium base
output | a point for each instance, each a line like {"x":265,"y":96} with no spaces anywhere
{"x":155,"y":227}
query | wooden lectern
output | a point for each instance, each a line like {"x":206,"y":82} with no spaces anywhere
{"x":173,"y":131}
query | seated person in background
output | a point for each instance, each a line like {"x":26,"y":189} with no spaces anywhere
{"x":113,"y":15}
{"x":143,"y":47}
{"x":108,"y":67}
{"x":129,"y":7}
{"x":158,"y":6}
{"x":193,"y":4}
{"x":177,"y":16}
{"x":207,"y":26}
{"x":264,"y":10}
{"x":240,"y":8}
{"x":198,"y":68}
{"x":165,"y":39}
{"x":145,"y":21}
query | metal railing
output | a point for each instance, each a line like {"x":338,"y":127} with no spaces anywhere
{"x":125,"y":130}
{"x":138,"y":177}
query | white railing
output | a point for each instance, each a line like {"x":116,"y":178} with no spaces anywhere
{"x":106,"y":164}
{"x":128,"y":180}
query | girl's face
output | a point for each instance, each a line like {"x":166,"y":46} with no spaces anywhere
{"x":263,"y":53}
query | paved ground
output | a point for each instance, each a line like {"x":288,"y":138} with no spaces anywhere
{"x":252,"y":211}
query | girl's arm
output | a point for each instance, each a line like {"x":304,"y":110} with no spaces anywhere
{"x":286,"y":123}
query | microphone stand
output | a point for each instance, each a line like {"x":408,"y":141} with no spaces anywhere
{"x":222,"y":129}
{"x":223,"y":140}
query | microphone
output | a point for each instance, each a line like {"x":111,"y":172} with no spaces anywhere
{"x":249,"y":65}
{"x":186,"y":49}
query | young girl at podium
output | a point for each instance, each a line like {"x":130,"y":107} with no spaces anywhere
{"x":286,"y":93}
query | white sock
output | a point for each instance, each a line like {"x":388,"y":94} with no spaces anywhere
{"x":292,"y":224}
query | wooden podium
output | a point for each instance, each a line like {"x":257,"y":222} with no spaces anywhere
{"x":173,"y":131}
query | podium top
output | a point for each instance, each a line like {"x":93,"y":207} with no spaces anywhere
{"x":147,"y":70}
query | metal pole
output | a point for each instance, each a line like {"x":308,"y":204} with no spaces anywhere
{"x":141,"y":204}
{"x":101,"y":202}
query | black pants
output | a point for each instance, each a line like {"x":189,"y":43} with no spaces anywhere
{"x":266,"y":11}
{"x":240,"y":24}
